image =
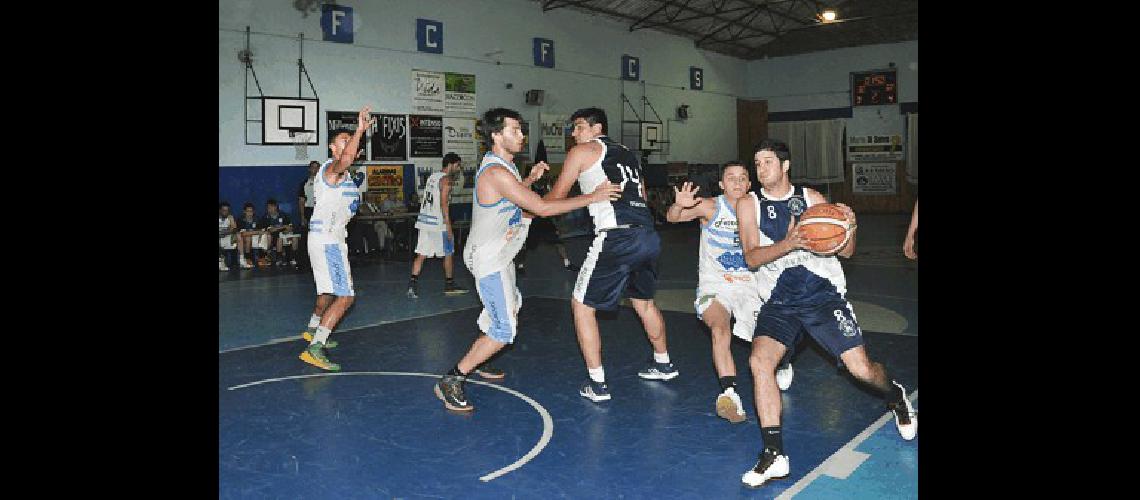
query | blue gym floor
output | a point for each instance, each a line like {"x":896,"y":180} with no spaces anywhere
{"x":376,"y":430}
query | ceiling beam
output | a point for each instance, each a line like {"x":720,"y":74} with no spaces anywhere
{"x":651,"y":14}
{"x":700,"y":15}
{"x":758,"y":50}
{"x":753,"y":13}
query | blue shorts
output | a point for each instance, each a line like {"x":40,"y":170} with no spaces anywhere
{"x":832,"y":324}
{"x":619,"y":260}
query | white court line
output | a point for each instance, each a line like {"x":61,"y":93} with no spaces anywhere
{"x":384,"y":322}
{"x":840,"y":455}
{"x":547,"y":422}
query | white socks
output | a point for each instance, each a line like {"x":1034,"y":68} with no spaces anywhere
{"x":597,"y":374}
{"x":322,"y":335}
{"x":314,"y":322}
{"x":661,"y":357}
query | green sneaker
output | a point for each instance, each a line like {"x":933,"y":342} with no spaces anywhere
{"x":308,"y":336}
{"x":316,"y":357}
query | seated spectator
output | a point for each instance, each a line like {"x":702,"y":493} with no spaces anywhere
{"x":227,"y":239}
{"x":280,"y":230}
{"x":382,"y":233}
{"x":251,"y":237}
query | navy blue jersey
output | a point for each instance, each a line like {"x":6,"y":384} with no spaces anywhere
{"x":282,"y":219}
{"x":620,"y":166}
{"x":249,"y":225}
{"x":799,"y":277}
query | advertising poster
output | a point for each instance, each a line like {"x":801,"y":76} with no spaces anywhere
{"x":390,"y":137}
{"x":873,"y":178}
{"x":553,"y":131}
{"x":459,"y":98}
{"x":427,"y":92}
{"x":426,"y":136}
{"x":387,"y":180}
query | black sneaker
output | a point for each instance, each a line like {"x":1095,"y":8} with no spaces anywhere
{"x":490,"y":372}
{"x":770,"y":466}
{"x":571,"y":267}
{"x":450,"y":391}
{"x":521,"y":270}
{"x":450,"y":288}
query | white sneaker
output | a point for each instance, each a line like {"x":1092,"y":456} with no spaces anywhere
{"x":784,"y":377}
{"x":222,"y":266}
{"x":728,"y":406}
{"x":245,"y":265}
{"x":769,"y":467}
{"x":906,"y":419}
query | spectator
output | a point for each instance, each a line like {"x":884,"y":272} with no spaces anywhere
{"x":227,"y":241}
{"x":251,"y":236}
{"x":305,"y":195}
{"x":280,"y":231}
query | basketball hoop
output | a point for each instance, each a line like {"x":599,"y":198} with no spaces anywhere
{"x":301,"y":142}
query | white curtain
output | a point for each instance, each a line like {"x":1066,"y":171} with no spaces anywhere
{"x":912,"y":148}
{"x":816,"y":147}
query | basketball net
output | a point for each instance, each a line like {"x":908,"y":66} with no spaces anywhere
{"x":301,"y":142}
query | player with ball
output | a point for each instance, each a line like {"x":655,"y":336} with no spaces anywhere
{"x":791,"y":235}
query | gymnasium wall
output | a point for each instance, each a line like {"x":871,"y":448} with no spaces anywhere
{"x":817,"y":86}
{"x":375,"y":69}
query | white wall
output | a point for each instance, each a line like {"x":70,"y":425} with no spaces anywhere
{"x":823,"y":80}
{"x":376,"y":68}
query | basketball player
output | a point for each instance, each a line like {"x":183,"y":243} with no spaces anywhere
{"x":437,"y":239}
{"x":623,"y":256}
{"x":498,"y":230}
{"x":337,"y":198}
{"x":726,"y":288}
{"x":800,"y":291}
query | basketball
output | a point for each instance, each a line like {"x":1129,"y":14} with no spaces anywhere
{"x":825,"y":228}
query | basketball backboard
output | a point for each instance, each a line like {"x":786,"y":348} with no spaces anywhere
{"x":284,"y":117}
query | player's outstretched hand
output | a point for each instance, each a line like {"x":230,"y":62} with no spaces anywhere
{"x":686,"y":195}
{"x":365,"y":118}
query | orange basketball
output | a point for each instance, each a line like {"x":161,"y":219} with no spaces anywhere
{"x":825,"y":228}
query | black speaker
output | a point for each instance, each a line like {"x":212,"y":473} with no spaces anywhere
{"x":683,"y":112}
{"x":534,"y":97}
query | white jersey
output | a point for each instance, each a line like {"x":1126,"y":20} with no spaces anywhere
{"x":431,"y":214}
{"x":799,"y":277}
{"x":498,"y":230}
{"x":335,"y":206}
{"x":721,"y":256}
{"x":228,"y":241}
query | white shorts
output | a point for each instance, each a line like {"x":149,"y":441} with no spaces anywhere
{"x":259,"y":241}
{"x":434,"y":243}
{"x":330,"y":267}
{"x":501,"y":303}
{"x":741,"y":300}
{"x":227,"y":242}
